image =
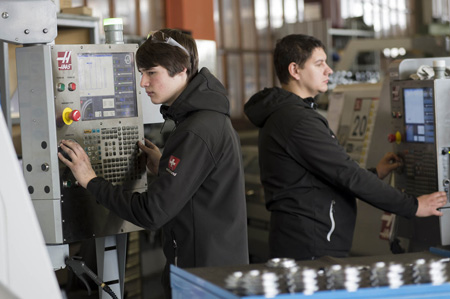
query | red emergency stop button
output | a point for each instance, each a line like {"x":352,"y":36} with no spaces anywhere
{"x":75,"y":115}
{"x":69,"y":116}
{"x":72,"y":86}
{"x":391,"y":138}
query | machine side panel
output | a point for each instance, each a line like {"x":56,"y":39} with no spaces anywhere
{"x":37,"y":122}
{"x":48,"y":213}
{"x":442,"y":103}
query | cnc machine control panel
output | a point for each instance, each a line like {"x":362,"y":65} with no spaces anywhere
{"x":414,"y":136}
{"x":419,"y":134}
{"x":89,"y":94}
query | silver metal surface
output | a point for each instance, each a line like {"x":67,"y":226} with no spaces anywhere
{"x":114,"y":33}
{"x":26,"y":21}
{"x":58,"y":255}
{"x":4,"y":83}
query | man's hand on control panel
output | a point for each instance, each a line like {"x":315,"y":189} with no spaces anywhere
{"x":389,"y":162}
{"x":152,"y":154}
{"x":429,"y":203}
{"x":78,"y":162}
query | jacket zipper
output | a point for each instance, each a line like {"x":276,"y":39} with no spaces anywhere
{"x":333,"y":223}
{"x":175,"y":249}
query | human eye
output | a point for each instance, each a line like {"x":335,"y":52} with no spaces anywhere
{"x":320,"y":63}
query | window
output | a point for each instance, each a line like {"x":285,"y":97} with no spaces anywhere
{"x":244,"y":33}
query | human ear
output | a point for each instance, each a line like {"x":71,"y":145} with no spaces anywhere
{"x":293,"y":70}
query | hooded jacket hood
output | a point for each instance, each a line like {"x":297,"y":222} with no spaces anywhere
{"x":264,"y":103}
{"x":204,"y":92}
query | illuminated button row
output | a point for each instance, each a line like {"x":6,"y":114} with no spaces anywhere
{"x":397,"y":114}
{"x":71,"y":86}
{"x":92,"y":131}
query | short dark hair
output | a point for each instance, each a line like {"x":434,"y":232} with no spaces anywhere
{"x":172,"y":58}
{"x":296,"y":48}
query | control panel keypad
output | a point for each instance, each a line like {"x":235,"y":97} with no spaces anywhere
{"x":421,"y":172}
{"x":113,"y":153}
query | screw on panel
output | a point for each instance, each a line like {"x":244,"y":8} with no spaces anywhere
{"x":45,"y":30}
{"x":5,"y":15}
{"x":26,"y":31}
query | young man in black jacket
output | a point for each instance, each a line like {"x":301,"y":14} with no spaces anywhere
{"x":310,"y":182}
{"x":198,"y":197}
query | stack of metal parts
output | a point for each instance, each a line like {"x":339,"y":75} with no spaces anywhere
{"x":285,"y":276}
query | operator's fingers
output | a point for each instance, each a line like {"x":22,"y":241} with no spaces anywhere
{"x":69,"y":150}
{"x":438,"y":199}
{"x":142,"y":146}
{"x":392,"y":158}
{"x":65,"y":160}
{"x":440,"y":196}
{"x":73,"y":146}
{"x":149,"y":144}
{"x":437,"y":213}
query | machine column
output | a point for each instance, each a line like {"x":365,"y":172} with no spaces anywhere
{"x":111,"y":259}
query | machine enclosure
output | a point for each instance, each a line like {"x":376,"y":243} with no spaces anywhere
{"x":50,"y":81}
{"x":424,"y":148}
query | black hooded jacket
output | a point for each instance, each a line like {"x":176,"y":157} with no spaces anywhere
{"x":199,"y":195}
{"x":310,"y":182}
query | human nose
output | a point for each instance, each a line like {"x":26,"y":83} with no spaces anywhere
{"x":328,"y":70}
{"x":144,"y":81}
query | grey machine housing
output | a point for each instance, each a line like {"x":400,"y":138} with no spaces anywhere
{"x":50,"y":80}
{"x":425,"y":160}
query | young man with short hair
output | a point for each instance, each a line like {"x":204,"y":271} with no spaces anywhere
{"x":198,"y":197}
{"x":310,"y":182}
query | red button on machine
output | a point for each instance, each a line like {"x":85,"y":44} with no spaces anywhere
{"x":75,"y":115}
{"x":72,"y":86}
{"x":69,"y":116}
{"x":391,"y":138}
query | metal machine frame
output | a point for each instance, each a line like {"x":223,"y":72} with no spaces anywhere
{"x":426,"y":164}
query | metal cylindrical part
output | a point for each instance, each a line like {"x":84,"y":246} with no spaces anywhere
{"x":439,"y":69}
{"x":114,"y":34}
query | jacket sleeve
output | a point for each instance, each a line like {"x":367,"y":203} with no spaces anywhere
{"x":313,"y":145}
{"x":169,"y":193}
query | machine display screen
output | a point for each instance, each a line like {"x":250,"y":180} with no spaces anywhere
{"x":107,"y":85}
{"x":419,"y":114}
